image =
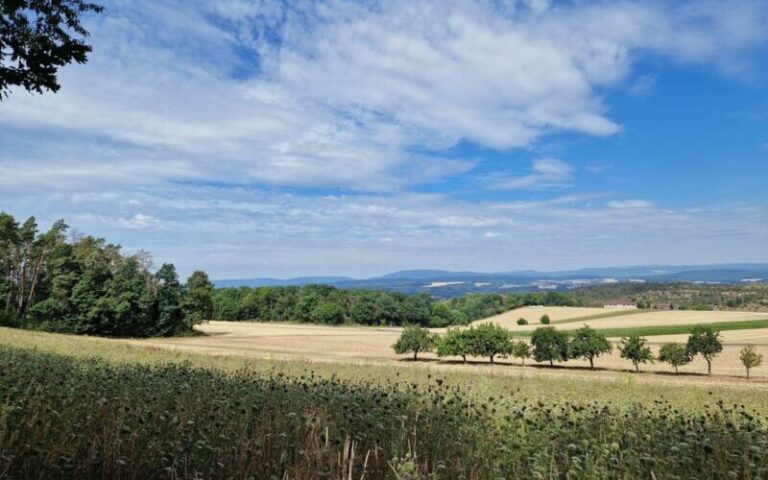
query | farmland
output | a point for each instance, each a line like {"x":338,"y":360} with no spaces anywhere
{"x":139,"y":411}
{"x":289,"y":400}
{"x":306,"y":401}
{"x":372,"y":345}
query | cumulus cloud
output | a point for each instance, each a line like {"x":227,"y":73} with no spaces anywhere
{"x":341,"y":94}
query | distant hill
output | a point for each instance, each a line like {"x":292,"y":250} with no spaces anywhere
{"x":443,"y":283}
{"x":278,"y":282}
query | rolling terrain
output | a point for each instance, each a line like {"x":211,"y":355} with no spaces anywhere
{"x":361,"y":345}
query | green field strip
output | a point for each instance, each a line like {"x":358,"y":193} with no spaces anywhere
{"x":598,"y":316}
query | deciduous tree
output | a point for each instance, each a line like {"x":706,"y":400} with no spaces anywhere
{"x":674,"y":354}
{"x":454,"y":342}
{"x":489,"y":340}
{"x":414,"y":338}
{"x":706,"y":341}
{"x":37,"y":37}
{"x":521,"y":350}
{"x":588,"y":343}
{"x":634,"y":348}
{"x":550,"y":345}
{"x":750,"y":358}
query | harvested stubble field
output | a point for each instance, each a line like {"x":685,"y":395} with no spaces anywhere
{"x":574,"y":317}
{"x":373,"y":345}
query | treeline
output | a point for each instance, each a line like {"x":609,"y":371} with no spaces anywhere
{"x":85,"y":285}
{"x":547,"y":344}
{"x":330,"y":305}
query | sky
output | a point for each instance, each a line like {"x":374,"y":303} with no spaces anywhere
{"x":256,"y":138}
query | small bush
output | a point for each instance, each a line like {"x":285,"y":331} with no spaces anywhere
{"x":522,"y":321}
{"x":544,"y":320}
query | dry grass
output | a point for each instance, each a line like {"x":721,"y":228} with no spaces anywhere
{"x":366,"y":345}
{"x":372,"y":346}
{"x":574,"y":317}
{"x":533,"y":314}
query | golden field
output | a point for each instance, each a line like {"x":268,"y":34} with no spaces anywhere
{"x":371,"y":346}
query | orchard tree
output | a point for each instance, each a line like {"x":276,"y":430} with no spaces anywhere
{"x":674,"y":354}
{"x":588,"y":343}
{"x":455,"y":342}
{"x":521,"y":350}
{"x":414,"y":339}
{"x":489,"y":340}
{"x":550,"y":345}
{"x":706,"y":341}
{"x":634,"y":348}
{"x":750,"y":358}
{"x":36,"y":38}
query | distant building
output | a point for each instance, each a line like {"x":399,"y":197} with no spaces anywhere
{"x":620,"y":303}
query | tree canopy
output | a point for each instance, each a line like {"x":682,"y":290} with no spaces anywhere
{"x":86,"y":285}
{"x":706,"y":341}
{"x":750,"y":358}
{"x":588,"y":343}
{"x":550,"y":345}
{"x":414,"y":339}
{"x":37,"y":37}
{"x":674,"y":354}
{"x":489,"y":340}
{"x":634,"y":348}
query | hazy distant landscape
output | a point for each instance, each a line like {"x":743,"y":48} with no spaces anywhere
{"x":383,"y":239}
{"x":448,"y":283}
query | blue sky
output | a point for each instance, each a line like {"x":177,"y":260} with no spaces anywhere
{"x":262,"y":138}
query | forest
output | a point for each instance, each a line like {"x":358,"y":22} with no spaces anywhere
{"x":330,"y":305}
{"x":82,"y":284}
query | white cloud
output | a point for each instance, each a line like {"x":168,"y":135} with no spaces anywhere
{"x":351,"y":88}
{"x":239,"y":232}
{"x":629,"y":204}
{"x":547,"y":173}
{"x":188,"y":115}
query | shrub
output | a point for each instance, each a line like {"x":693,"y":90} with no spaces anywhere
{"x":706,"y":341}
{"x":522,"y":321}
{"x":588,"y":343}
{"x":550,"y":345}
{"x":544,"y":320}
{"x":674,"y":354}
{"x":750,"y":358}
{"x":414,"y":339}
{"x":633,"y":348}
